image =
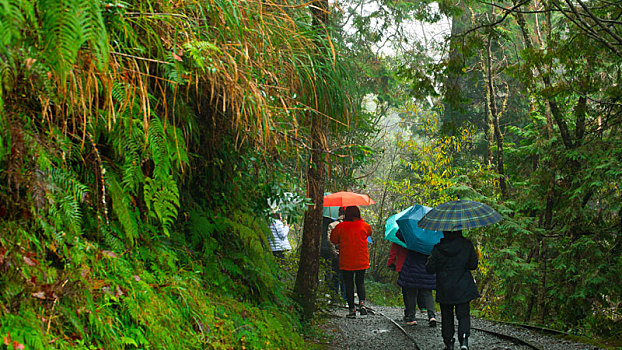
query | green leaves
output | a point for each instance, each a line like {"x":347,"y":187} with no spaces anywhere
{"x":67,"y":25}
{"x":162,"y":199}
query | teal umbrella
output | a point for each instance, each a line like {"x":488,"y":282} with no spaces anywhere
{"x":416,"y":238}
{"x":391,"y":228}
{"x":331,"y":212}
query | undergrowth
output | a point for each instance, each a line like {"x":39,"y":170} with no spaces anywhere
{"x":80,"y":295}
{"x":386,"y":294}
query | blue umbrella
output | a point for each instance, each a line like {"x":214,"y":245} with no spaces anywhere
{"x":391,"y":228}
{"x":416,"y":238}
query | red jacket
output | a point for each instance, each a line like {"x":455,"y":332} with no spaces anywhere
{"x":397,"y":255}
{"x":351,"y":238}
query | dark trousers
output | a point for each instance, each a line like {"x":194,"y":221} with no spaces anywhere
{"x":447,"y":323}
{"x":342,"y":285}
{"x":279,"y":254}
{"x":413,"y":295}
{"x":350,"y":278}
{"x":335,"y":278}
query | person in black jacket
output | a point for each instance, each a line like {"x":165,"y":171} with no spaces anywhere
{"x":452,"y":259}
{"x":416,"y":281}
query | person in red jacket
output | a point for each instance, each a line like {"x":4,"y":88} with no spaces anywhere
{"x":351,"y":238}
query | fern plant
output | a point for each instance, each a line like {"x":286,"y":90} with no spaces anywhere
{"x":162,"y":199}
{"x":66,"y":26}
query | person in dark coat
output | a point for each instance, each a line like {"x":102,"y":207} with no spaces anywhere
{"x":452,"y":259}
{"x":397,"y":256}
{"x":329,"y":253}
{"x":415,"y":281}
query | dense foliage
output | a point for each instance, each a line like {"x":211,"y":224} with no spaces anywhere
{"x":537,"y":86}
{"x":139,"y":142}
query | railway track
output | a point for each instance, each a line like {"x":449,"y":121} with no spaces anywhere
{"x":408,"y":335}
{"x":417,"y":346}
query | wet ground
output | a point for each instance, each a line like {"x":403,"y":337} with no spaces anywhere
{"x":377,"y":332}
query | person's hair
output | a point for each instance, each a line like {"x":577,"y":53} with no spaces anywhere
{"x":452,"y":233}
{"x":352,"y":213}
{"x":400,"y":236}
{"x":342,"y":211}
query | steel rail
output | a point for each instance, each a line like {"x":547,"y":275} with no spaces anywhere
{"x":496,"y":334}
{"x":508,"y":337}
{"x":398,"y":326}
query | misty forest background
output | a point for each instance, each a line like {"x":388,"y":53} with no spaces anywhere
{"x":140,"y":142}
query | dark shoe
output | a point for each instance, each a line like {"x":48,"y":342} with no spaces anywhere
{"x":363,"y":312}
{"x":351,"y":314}
{"x":449,"y":344}
{"x":410,"y":321}
{"x":464,"y":343}
{"x":432,"y":322}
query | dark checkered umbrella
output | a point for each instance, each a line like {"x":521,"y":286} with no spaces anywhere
{"x":459,"y":215}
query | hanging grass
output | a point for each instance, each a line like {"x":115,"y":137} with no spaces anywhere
{"x":110,"y":115}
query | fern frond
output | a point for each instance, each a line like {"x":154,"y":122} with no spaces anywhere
{"x":121,"y":207}
{"x":112,"y":241}
{"x":162,"y":199}
{"x":177,"y":148}
{"x":67,"y":25}
{"x":70,"y":213}
{"x":10,"y":18}
{"x":62,"y":32}
{"x":158,"y":148}
{"x":96,"y":33}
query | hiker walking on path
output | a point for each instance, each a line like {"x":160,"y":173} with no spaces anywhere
{"x":279,"y":244}
{"x":416,"y":282}
{"x":330,"y":253}
{"x":351,"y":238}
{"x":397,"y":256}
{"x":451,"y":260}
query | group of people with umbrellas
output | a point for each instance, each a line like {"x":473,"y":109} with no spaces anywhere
{"x":434,"y":255}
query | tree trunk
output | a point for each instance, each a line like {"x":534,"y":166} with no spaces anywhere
{"x":309,"y":264}
{"x":494,"y":115}
{"x":556,"y":113}
{"x":489,"y":129}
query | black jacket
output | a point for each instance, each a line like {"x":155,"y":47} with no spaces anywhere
{"x":451,"y":260}
{"x":413,"y":273}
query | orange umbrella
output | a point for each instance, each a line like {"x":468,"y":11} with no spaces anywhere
{"x":346,"y":199}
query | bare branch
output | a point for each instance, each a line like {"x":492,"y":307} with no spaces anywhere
{"x":585,"y":27}
{"x":600,"y":23}
{"x":492,"y":24}
{"x":513,"y":9}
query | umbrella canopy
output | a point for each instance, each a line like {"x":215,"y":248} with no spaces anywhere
{"x":416,"y":238}
{"x":346,"y":199}
{"x":391,"y":228}
{"x":331,"y":212}
{"x":459,"y":215}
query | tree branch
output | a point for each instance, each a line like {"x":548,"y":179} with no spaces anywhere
{"x":492,"y":24}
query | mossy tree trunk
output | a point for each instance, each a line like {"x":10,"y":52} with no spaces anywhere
{"x":309,"y":263}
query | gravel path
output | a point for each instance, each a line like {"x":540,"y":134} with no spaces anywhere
{"x":376,"y":332}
